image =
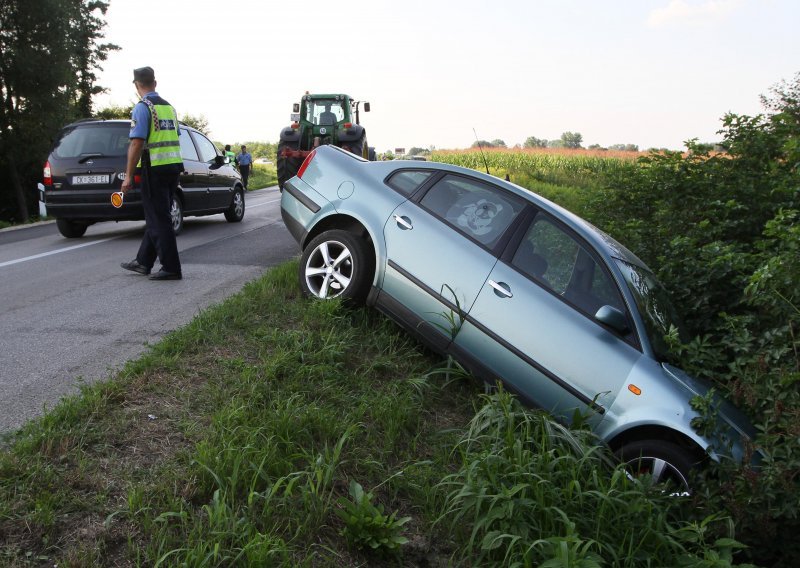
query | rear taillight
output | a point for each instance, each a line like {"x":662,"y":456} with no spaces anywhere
{"x":137,"y":180}
{"x":48,"y":178}
{"x":305,"y":163}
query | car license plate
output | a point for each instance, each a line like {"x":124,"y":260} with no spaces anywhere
{"x":84,"y":180}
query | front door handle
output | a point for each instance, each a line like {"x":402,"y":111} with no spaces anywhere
{"x":501,"y":289}
{"x":403,"y":222}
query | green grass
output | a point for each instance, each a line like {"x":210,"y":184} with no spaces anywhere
{"x":242,"y":438}
{"x":262,"y":176}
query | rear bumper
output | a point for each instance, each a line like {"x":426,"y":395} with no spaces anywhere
{"x":91,"y":205}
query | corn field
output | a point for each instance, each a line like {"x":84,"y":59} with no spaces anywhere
{"x":546,"y":164}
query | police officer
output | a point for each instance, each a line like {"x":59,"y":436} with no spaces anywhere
{"x":154,"y":147}
{"x":230,"y":155}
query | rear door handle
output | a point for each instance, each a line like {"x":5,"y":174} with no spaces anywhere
{"x":403,"y":222}
{"x":501,"y":289}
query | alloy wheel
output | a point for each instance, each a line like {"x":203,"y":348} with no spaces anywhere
{"x":329,"y":269}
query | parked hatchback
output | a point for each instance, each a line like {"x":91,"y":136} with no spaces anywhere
{"x":514,"y":287}
{"x":87,"y":164}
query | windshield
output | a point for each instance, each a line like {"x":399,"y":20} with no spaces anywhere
{"x":324,"y":112}
{"x":654,"y":305}
{"x":98,"y":140}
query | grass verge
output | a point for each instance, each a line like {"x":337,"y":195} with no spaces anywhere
{"x":279,"y":431}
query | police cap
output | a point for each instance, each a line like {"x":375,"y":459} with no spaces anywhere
{"x":144,"y":75}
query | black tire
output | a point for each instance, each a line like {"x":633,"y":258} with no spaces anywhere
{"x":235,"y":213}
{"x":359,"y":147}
{"x":372,"y":155}
{"x":176,"y":214}
{"x":287,"y":167}
{"x":337,"y":264}
{"x":667,"y":462}
{"x":71,"y":229}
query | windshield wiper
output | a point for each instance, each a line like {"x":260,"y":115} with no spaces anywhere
{"x":86,"y":157}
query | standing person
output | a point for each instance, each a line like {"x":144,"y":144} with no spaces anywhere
{"x":154,"y":148}
{"x":230,"y":155}
{"x":245,"y":164}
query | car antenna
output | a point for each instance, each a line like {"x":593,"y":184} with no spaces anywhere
{"x":485,"y":163}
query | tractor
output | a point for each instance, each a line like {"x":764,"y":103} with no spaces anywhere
{"x":318,"y":120}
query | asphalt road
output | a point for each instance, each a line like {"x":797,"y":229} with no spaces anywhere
{"x":70,"y":314}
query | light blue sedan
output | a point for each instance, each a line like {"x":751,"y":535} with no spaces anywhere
{"x":515,"y":288}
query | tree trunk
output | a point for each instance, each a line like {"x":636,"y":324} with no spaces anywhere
{"x":19,"y":193}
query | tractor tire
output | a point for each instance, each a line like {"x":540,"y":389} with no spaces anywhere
{"x":373,"y":156}
{"x":287,"y":167}
{"x":359,"y":147}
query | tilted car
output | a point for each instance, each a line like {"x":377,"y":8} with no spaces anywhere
{"x":87,"y":164}
{"x":561,"y":313}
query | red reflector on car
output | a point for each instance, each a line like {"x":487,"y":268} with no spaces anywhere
{"x":48,"y":177}
{"x":305,"y":163}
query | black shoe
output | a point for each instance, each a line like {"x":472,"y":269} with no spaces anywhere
{"x":135,"y":267}
{"x":164,"y":275}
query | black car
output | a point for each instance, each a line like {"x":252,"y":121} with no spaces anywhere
{"x":87,"y":164}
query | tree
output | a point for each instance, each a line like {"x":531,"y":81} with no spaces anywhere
{"x":571,"y":139}
{"x":482,"y":144}
{"x":114,"y":111}
{"x":199,"y":122}
{"x":533,"y":142}
{"x":497,"y":143}
{"x":49,"y":52}
{"x":415,"y":151}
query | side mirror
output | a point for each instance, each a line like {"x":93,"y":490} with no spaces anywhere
{"x":296,"y":107}
{"x":366,"y":107}
{"x":220,"y":160}
{"x":613,"y":318}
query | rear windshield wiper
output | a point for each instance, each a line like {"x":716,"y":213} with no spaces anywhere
{"x":86,"y":157}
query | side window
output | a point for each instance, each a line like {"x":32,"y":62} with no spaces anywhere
{"x":406,"y":182}
{"x":480,"y":211}
{"x":205,"y":148}
{"x":188,"y":151}
{"x":552,"y":257}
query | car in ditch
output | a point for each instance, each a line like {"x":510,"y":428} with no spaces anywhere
{"x":517,"y":289}
{"x":87,"y":163}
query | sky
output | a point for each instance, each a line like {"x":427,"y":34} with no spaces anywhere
{"x":654,"y":73}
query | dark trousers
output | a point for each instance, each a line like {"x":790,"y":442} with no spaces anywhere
{"x":245,"y":171}
{"x":159,"y":237}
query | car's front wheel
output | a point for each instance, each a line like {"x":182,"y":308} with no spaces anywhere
{"x":71,"y":229}
{"x":235,"y":213}
{"x":336,"y":264}
{"x":667,"y":463}
{"x":176,"y":214}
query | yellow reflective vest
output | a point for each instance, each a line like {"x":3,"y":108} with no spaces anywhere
{"x":162,"y":144}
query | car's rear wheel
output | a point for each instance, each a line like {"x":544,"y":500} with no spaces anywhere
{"x":176,"y":214}
{"x":336,"y":264}
{"x":235,"y":213}
{"x":71,"y":229}
{"x":667,"y":463}
{"x":287,"y":167}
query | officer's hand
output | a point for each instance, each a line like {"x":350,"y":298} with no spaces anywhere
{"x":126,"y":185}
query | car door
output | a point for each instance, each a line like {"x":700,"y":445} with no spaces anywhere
{"x":219,"y":190}
{"x":533,"y":323}
{"x":440,"y":250}
{"x":194,"y":179}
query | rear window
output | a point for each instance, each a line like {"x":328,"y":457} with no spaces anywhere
{"x":101,"y":140}
{"x":407,"y":181}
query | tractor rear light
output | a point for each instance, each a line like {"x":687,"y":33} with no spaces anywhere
{"x":305,"y":163}
{"x":295,"y":125}
{"x":348,"y":125}
{"x":48,"y":177}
